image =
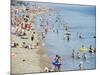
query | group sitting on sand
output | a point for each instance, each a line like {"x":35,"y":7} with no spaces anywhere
{"x":24,"y":45}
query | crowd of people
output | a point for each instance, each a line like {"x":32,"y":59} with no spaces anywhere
{"x":22,"y":23}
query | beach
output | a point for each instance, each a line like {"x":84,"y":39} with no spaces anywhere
{"x":52,"y":37}
{"x":33,"y":58}
{"x":25,"y":60}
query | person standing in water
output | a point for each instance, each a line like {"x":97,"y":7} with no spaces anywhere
{"x":73,"y":53}
{"x":46,"y":29}
{"x":81,"y":65}
{"x":84,"y":57}
{"x":57,"y":31}
{"x":80,"y":35}
{"x":78,"y":55}
{"x":82,"y":46}
{"x":90,"y":49}
{"x":66,"y":28}
{"x":57,"y":63}
{"x":68,"y":37}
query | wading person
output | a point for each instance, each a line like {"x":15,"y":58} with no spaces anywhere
{"x":57,"y":31}
{"x":81,"y":65}
{"x":84,"y":57}
{"x":80,"y":35}
{"x":46,"y":29}
{"x":57,"y":63}
{"x":68,"y":38}
{"x":73,"y":53}
{"x":90,"y":49}
{"x":78,"y":55}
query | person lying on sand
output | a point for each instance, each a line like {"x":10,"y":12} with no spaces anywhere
{"x":30,"y":46}
{"x":24,"y":45}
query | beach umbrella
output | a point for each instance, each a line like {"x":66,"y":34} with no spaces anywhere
{"x":84,"y":50}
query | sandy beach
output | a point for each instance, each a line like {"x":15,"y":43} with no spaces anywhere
{"x":52,"y":37}
{"x":35,"y":59}
{"x":25,"y":60}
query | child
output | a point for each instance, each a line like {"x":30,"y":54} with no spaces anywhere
{"x":81,"y":65}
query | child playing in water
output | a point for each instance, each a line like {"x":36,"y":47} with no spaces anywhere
{"x":81,"y":65}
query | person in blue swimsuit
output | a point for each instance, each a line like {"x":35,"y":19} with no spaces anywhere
{"x":57,"y":63}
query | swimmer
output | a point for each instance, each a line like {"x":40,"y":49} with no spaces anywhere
{"x":80,"y":35}
{"x":73,"y":53}
{"x":57,"y":31}
{"x":81,"y":65}
{"x":68,"y":38}
{"x":46,"y":29}
{"x":90,"y":49}
{"x":78,"y":55}
{"x":84,"y":56}
{"x":82,"y":46}
{"x":57,"y":63}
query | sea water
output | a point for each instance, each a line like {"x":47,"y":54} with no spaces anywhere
{"x":78,"y":18}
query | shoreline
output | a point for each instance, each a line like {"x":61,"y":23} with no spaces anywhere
{"x":42,"y":58}
{"x":29,"y":60}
